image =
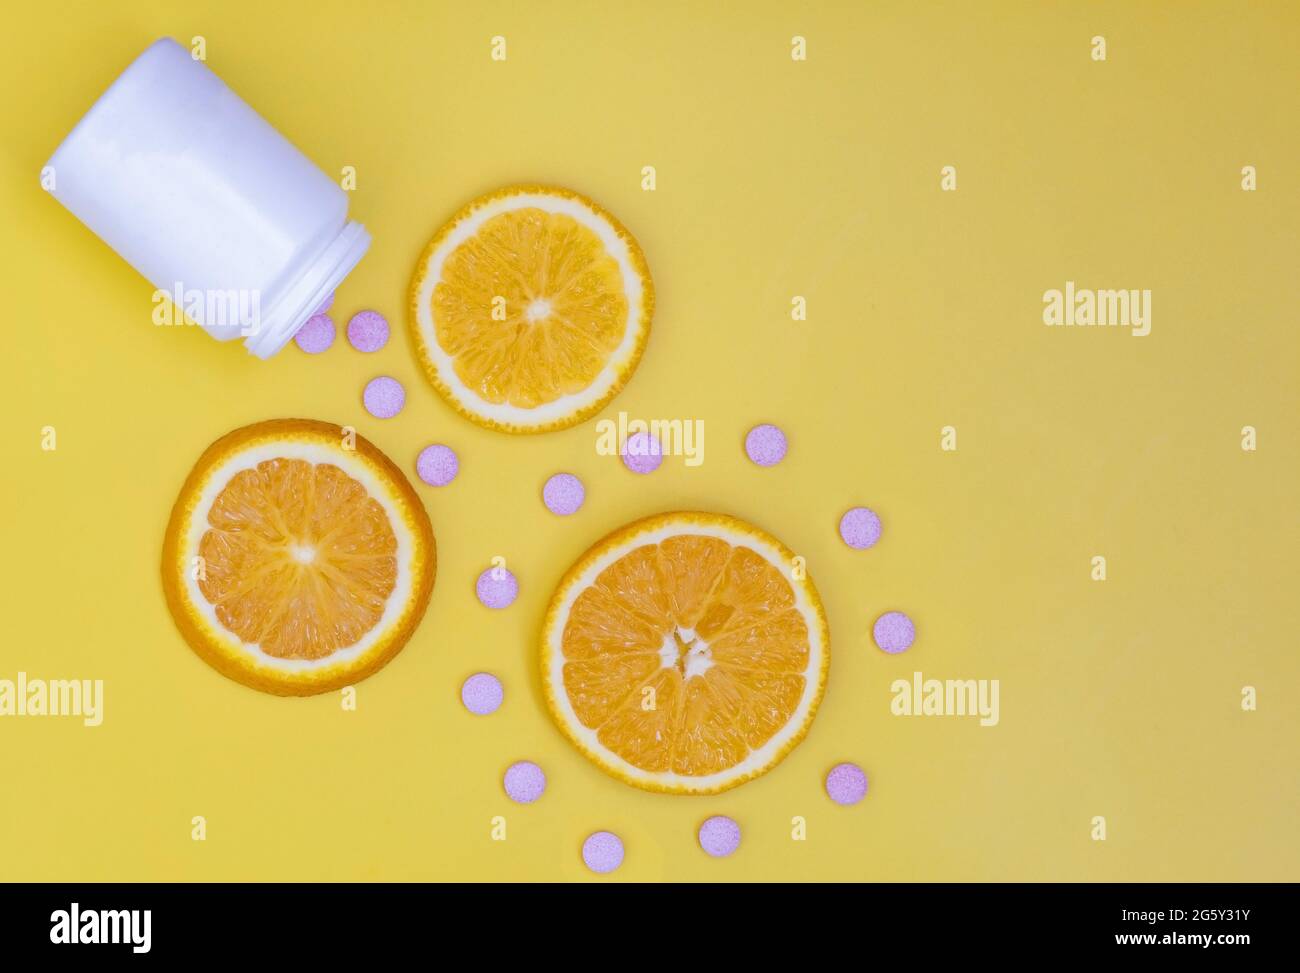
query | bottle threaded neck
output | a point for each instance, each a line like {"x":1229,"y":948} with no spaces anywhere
{"x":308,"y":291}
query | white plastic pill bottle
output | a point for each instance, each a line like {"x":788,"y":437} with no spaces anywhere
{"x":207,"y":201}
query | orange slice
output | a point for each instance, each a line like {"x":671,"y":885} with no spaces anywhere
{"x":686,"y":653}
{"x":531,"y":308}
{"x":298,"y":559}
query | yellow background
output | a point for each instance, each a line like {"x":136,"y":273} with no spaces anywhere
{"x":775,"y":179}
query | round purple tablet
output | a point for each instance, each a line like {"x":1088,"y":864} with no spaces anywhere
{"x":524,"y":782}
{"x":368,"y":331}
{"x":765,"y":445}
{"x":860,"y":528}
{"x":316,"y":335}
{"x":846,"y":784}
{"x":482,"y":693}
{"x":563,"y":494}
{"x":720,"y":836}
{"x":602,"y":852}
{"x":497,"y":588}
{"x":384,"y":397}
{"x":642,"y":453}
{"x":437,"y":465}
{"x":894,"y":632}
{"x":326,"y":304}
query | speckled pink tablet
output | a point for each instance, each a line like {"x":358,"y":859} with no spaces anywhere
{"x":602,"y":852}
{"x":642,"y":453}
{"x":524,"y":782}
{"x":563,"y":494}
{"x":894,"y":632}
{"x":316,"y":335}
{"x":384,"y":397}
{"x":497,"y":588}
{"x":765,"y":445}
{"x":327,"y":304}
{"x":482,"y":693}
{"x":437,"y":465}
{"x":860,"y":528}
{"x":368,"y":331}
{"x":846,"y":784}
{"x":720,"y":836}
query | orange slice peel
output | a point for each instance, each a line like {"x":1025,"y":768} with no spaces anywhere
{"x":530,"y":309}
{"x":298,"y":559}
{"x":685,"y":653}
